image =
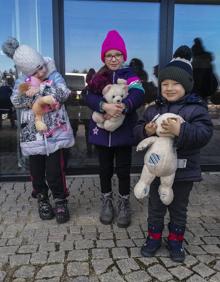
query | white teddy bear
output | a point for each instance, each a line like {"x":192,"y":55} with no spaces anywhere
{"x":160,"y":160}
{"x":113,"y":93}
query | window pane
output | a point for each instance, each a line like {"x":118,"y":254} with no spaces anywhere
{"x":86,"y":25}
{"x":31,"y":23}
{"x":202,"y":22}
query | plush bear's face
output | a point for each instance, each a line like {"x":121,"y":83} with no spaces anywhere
{"x":115,"y":93}
{"x":160,"y":130}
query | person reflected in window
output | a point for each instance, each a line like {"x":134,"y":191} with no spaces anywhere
{"x":45,"y":149}
{"x":149,"y":87}
{"x":205,"y":82}
{"x":114,"y":147}
{"x":89,"y":77}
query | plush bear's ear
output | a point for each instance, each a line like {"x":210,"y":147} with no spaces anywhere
{"x":121,"y":81}
{"x":106,"y":89}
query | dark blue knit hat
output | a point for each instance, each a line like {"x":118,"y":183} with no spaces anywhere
{"x":179,"y":69}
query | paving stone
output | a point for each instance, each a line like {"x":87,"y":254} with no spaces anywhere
{"x":101,"y":265}
{"x":48,"y":280}
{"x":205,"y":258}
{"x":119,"y":253}
{"x":215,"y":278}
{"x":181,"y":272}
{"x":24,"y":272}
{"x":49,"y":271}
{"x":148,"y":261}
{"x":19,"y":260}
{"x":26,"y":249}
{"x":168,"y":262}
{"x":100,"y":253}
{"x":140,"y":276}
{"x":78,"y":255}
{"x":203,"y":270}
{"x":66,"y":246}
{"x":211,"y":249}
{"x":121,"y":235}
{"x":190,"y":260}
{"x":159,"y":272}
{"x":106,"y":235}
{"x":14,"y":242}
{"x":105,"y":244}
{"x":196,"y":278}
{"x":39,"y":258}
{"x":77,"y":268}
{"x":195,"y":250}
{"x":84,"y":244}
{"x":56,"y":257}
{"x":111,"y":276}
{"x":125,"y":243}
{"x":127,"y":265}
{"x":78,"y":279}
{"x":10,"y":250}
{"x":47,"y":247}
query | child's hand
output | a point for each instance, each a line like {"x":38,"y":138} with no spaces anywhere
{"x":114,"y":110}
{"x":172,"y":126}
{"x":32,"y":91}
{"x":150,"y":128}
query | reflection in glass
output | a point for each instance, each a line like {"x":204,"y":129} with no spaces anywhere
{"x":86,"y":24}
{"x":195,"y":25}
{"x":31,"y":23}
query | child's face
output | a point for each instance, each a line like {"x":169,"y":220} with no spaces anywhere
{"x":41,"y":73}
{"x":172,"y":90}
{"x":114,"y":59}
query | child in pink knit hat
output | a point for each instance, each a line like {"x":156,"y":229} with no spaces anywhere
{"x":114,"y":147}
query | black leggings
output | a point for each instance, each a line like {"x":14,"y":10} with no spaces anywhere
{"x":122,"y":156}
{"x":177,"y":209}
{"x":49,"y":171}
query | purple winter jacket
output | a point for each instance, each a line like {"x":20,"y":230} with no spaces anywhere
{"x":123,"y":136}
{"x":195,"y":132}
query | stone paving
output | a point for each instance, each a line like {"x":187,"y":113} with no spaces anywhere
{"x":84,"y":250}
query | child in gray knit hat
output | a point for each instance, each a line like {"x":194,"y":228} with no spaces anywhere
{"x":176,"y":83}
{"x":45,"y":149}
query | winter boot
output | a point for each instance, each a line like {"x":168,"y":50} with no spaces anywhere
{"x":175,"y":242}
{"x":107,"y":210}
{"x":61,"y":210}
{"x":124,"y":212}
{"x":44,"y":207}
{"x":153,"y":242}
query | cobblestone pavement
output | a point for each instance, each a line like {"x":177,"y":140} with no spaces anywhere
{"x":84,"y":250}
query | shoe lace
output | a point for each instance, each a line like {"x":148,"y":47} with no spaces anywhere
{"x":123,"y":206}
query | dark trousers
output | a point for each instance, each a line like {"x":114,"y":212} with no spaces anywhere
{"x":122,"y":157}
{"x":47,"y":172}
{"x":177,"y":209}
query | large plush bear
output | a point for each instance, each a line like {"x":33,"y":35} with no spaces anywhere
{"x":160,"y":160}
{"x":113,"y":93}
{"x":43,"y":103}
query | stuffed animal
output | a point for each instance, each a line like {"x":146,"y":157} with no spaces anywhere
{"x":42,"y":104}
{"x":160,"y":160}
{"x":113,"y":93}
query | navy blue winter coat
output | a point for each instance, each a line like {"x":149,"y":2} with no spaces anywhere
{"x":123,"y":136}
{"x":195,"y":132}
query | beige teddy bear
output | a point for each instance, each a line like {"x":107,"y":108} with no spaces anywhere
{"x":42,"y":104}
{"x":113,"y":93}
{"x":160,"y":160}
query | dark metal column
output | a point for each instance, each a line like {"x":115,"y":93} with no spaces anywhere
{"x":58,"y":34}
{"x":166,"y":31}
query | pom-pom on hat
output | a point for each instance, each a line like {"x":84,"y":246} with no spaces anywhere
{"x":26,"y":59}
{"x":114,"y":41}
{"x":179,"y":68}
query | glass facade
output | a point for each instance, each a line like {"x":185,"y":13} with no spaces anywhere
{"x":85,"y":26}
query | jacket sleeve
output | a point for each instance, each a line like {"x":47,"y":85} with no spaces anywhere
{"x":93,"y":101}
{"x":139,"y":130}
{"x":197,"y":132}
{"x":59,"y":88}
{"x":18,"y":99}
{"x":135,"y":97}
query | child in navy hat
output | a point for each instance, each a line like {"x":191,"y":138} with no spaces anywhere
{"x":176,"y":83}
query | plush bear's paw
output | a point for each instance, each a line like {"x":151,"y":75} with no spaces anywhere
{"x":166,"y":195}
{"x":141,"y":190}
{"x":40,"y":126}
{"x":140,"y":147}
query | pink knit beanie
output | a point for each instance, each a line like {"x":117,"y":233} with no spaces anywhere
{"x":114,"y":41}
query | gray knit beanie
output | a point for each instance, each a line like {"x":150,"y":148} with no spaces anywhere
{"x":179,"y":69}
{"x":26,"y":59}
